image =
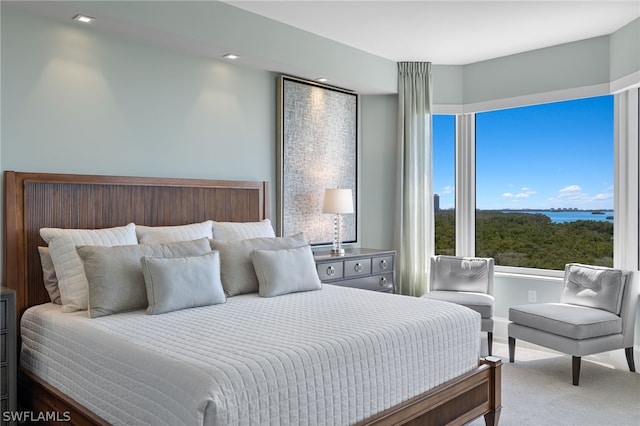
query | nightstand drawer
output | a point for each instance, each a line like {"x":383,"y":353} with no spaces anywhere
{"x":8,"y":364}
{"x":382,"y":283}
{"x":382,"y":264}
{"x":356,"y":267}
{"x":3,"y":314}
{"x":4,"y":380}
{"x":330,"y":270}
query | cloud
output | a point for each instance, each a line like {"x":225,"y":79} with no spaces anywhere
{"x":574,"y":195}
{"x":447,"y":189}
{"x":603,"y":197}
{"x":507,"y":195}
{"x":571,"y":189}
{"x":525,"y":193}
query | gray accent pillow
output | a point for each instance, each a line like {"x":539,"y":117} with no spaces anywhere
{"x":236,"y":268}
{"x":285,"y":271}
{"x":72,"y":280}
{"x":242,"y":230}
{"x":116,"y":282}
{"x":49,"y":275}
{"x":593,"y":286}
{"x":167,"y":234}
{"x":182,"y":282}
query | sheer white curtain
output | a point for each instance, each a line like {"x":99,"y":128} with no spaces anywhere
{"x":414,"y":239}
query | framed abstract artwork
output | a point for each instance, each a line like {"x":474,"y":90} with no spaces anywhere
{"x":317,"y":150}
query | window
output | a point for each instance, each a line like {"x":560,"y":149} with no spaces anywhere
{"x":544,"y":184}
{"x":444,"y":183}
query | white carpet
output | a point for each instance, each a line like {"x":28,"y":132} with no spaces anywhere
{"x":537,"y":390}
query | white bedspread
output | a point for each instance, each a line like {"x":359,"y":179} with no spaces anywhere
{"x":328,"y":357}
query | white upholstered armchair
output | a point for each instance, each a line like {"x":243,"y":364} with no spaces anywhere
{"x":467,"y":281}
{"x":597,"y":313}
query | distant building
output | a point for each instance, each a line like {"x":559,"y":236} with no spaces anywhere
{"x":436,"y":203}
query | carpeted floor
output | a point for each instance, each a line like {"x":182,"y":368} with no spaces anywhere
{"x":537,"y":390}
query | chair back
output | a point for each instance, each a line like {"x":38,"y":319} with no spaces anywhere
{"x":629,"y":308}
{"x":593,"y":286}
{"x":609,"y":289}
{"x":456,"y":273}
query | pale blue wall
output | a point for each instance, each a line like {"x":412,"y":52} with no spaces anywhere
{"x":257,"y":38}
{"x":77,"y":101}
{"x":625,"y":50}
{"x":378,"y":169}
{"x":567,"y":66}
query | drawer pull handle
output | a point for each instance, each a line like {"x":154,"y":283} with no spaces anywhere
{"x":331,"y":271}
{"x":383,"y":264}
{"x":384,"y":283}
{"x":358,"y":267}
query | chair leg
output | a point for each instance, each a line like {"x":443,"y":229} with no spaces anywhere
{"x":490,"y":341}
{"x":629,"y":353}
{"x":576,"y":370}
{"x":512,"y":349}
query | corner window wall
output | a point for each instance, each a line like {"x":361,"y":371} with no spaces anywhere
{"x":544,"y":184}
{"x":444,"y":183}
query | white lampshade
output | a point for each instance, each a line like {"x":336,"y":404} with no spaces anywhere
{"x":337,"y":201}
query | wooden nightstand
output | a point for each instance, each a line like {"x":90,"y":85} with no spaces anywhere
{"x":8,"y":351}
{"x":369,"y":269}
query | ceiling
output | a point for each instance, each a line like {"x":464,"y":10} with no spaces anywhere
{"x":449,"y":32}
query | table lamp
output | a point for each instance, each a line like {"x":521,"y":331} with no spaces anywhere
{"x":338,"y":202}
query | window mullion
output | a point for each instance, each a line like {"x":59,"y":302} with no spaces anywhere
{"x":465,"y":185}
{"x":626,"y":203}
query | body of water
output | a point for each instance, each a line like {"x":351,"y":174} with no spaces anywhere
{"x":570,"y":215}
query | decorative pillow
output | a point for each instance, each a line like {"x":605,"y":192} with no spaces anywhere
{"x":236,"y":269}
{"x":167,"y":234}
{"x":226,"y":231}
{"x":182,"y":282}
{"x":285,"y":271}
{"x":116,"y":282}
{"x":72,"y":281}
{"x":453,"y":273}
{"x":593,"y":286}
{"x":49,"y":275}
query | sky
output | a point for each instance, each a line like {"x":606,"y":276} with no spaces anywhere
{"x":557,"y":155}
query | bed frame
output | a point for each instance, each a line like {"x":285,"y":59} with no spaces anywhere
{"x":36,"y":200}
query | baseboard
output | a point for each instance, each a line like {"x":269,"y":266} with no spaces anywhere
{"x":500,"y":328}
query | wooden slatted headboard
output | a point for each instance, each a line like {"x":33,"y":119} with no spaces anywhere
{"x":37,"y":200}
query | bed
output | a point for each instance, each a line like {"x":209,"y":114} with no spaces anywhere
{"x":37,"y":200}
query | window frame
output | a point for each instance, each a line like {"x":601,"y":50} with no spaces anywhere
{"x":626,"y":253}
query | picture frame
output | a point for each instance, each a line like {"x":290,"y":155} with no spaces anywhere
{"x":317,"y":128}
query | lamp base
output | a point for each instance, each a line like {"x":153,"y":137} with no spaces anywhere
{"x":337,"y":252}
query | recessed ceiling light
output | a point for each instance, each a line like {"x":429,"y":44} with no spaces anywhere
{"x":322,"y":80}
{"x":230,"y":56}
{"x":84,"y":19}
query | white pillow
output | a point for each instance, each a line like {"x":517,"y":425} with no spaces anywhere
{"x":227,"y":231}
{"x":168,"y":234}
{"x":72,"y":280}
{"x":285,"y":271}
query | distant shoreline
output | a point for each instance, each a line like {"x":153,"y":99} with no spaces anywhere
{"x":551,"y":210}
{"x":567,"y":210}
